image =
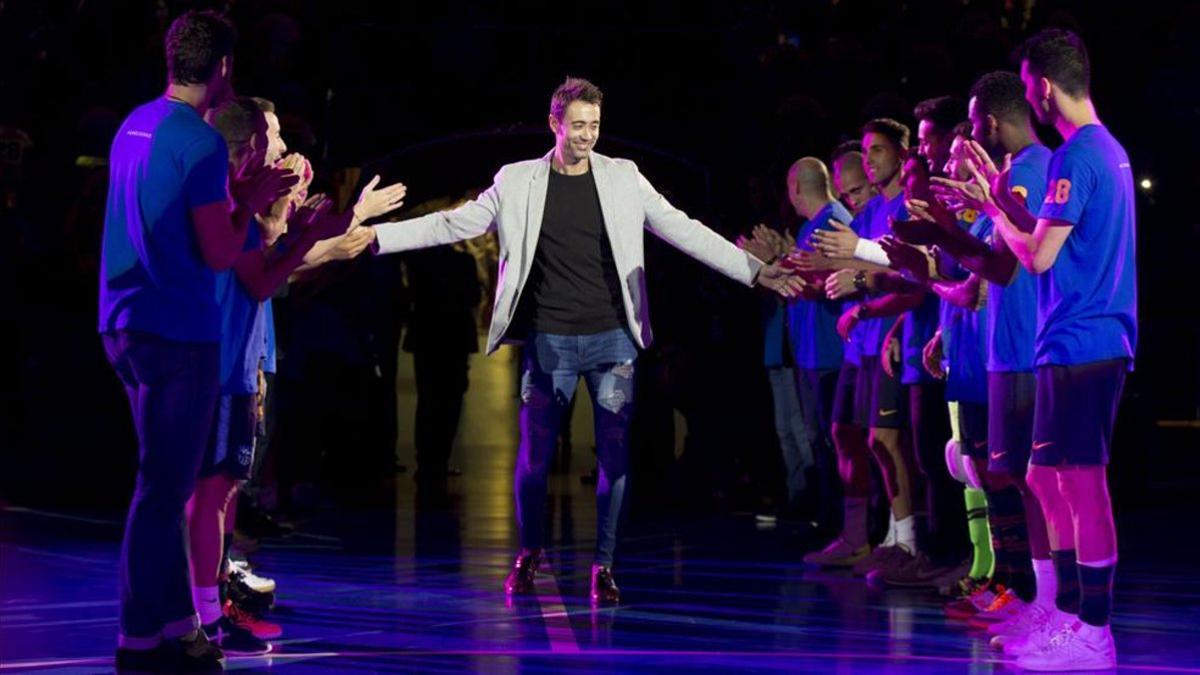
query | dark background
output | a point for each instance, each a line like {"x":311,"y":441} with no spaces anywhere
{"x":714,"y":100}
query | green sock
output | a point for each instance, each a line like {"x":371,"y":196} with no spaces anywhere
{"x":983,"y":560}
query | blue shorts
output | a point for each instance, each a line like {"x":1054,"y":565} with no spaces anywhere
{"x":231,"y":444}
{"x":1011,"y":400}
{"x":1075,"y":413}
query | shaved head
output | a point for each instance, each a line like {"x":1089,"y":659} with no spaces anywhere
{"x":810,"y":176}
{"x":850,"y":181}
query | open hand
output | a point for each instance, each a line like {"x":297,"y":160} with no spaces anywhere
{"x":840,"y":284}
{"x":838,"y":242}
{"x":373,"y":203}
{"x":756,"y":247}
{"x":256,"y":189}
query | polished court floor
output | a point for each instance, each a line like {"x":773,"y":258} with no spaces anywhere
{"x":417,"y":588}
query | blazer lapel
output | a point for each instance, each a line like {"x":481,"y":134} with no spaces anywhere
{"x":604,"y":189}
{"x":539,"y":181}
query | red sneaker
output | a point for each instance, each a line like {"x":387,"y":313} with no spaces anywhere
{"x":263,"y":630}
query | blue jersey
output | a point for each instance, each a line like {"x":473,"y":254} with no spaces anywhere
{"x":875,"y":219}
{"x":1012,"y":309}
{"x":1087,"y":301}
{"x":964,"y":339}
{"x":243,"y":331}
{"x":919,"y":326}
{"x":165,"y":162}
{"x":812,"y":325}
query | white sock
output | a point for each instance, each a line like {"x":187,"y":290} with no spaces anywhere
{"x":1047,"y":583}
{"x":854,"y":529}
{"x":906,"y":534}
{"x":207,"y":600}
{"x":890,"y":539}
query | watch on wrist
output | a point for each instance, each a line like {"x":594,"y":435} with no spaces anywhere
{"x":860,"y":280}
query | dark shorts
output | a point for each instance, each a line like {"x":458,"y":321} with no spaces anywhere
{"x":973,"y":426}
{"x":881,"y":400}
{"x":1011,"y":398}
{"x":1075,"y":413}
{"x":231,"y":444}
{"x":844,"y":395}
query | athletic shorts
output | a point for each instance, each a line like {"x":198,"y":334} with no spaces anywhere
{"x":231,"y":444}
{"x":1011,"y":398}
{"x":1076,"y":411}
{"x":881,"y":400}
{"x":844,"y":408}
{"x":973,"y":426}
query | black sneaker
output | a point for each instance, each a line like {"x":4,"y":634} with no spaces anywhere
{"x":237,"y":590}
{"x":234,"y":639}
{"x":191,"y":654}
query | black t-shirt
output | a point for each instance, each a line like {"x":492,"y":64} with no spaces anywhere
{"x":573,"y":288}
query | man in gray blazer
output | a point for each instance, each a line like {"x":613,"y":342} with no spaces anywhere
{"x":572,"y":287}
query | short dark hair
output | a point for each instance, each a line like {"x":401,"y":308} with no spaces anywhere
{"x":1001,"y":95}
{"x":264,"y":105}
{"x":195,"y":44}
{"x":1060,"y":56}
{"x":573,"y":89}
{"x":943,"y":111}
{"x":236,"y":120}
{"x":894,"y":131}
{"x":844,"y":148}
{"x":963,"y":129}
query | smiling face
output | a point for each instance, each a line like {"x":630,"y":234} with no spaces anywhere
{"x":577,"y":132}
{"x":881,"y":158}
{"x":276,"y":148}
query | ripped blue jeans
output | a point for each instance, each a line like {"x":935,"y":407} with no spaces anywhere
{"x":550,"y":372}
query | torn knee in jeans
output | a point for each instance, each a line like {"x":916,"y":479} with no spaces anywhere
{"x":616,"y":393}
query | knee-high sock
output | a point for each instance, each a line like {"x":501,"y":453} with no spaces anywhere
{"x":983,"y":559}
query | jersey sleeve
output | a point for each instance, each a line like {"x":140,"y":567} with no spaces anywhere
{"x":205,"y":172}
{"x":1029,"y":185}
{"x":1070,"y":183}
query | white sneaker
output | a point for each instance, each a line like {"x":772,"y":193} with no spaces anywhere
{"x":1077,"y":646}
{"x":1031,"y":615}
{"x":255,"y":582}
{"x":1038,"y":635}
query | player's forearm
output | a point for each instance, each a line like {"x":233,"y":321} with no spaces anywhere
{"x":1024,"y":246}
{"x":893,"y":304}
{"x":959,"y":293}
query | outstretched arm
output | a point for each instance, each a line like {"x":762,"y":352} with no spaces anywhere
{"x":694,"y":238}
{"x":468,"y":221}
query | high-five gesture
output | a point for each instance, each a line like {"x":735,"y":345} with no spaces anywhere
{"x":373,"y":202}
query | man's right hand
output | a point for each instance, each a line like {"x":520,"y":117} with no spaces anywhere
{"x":258,"y":189}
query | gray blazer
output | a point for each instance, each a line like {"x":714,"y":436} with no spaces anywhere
{"x":514,"y":206}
